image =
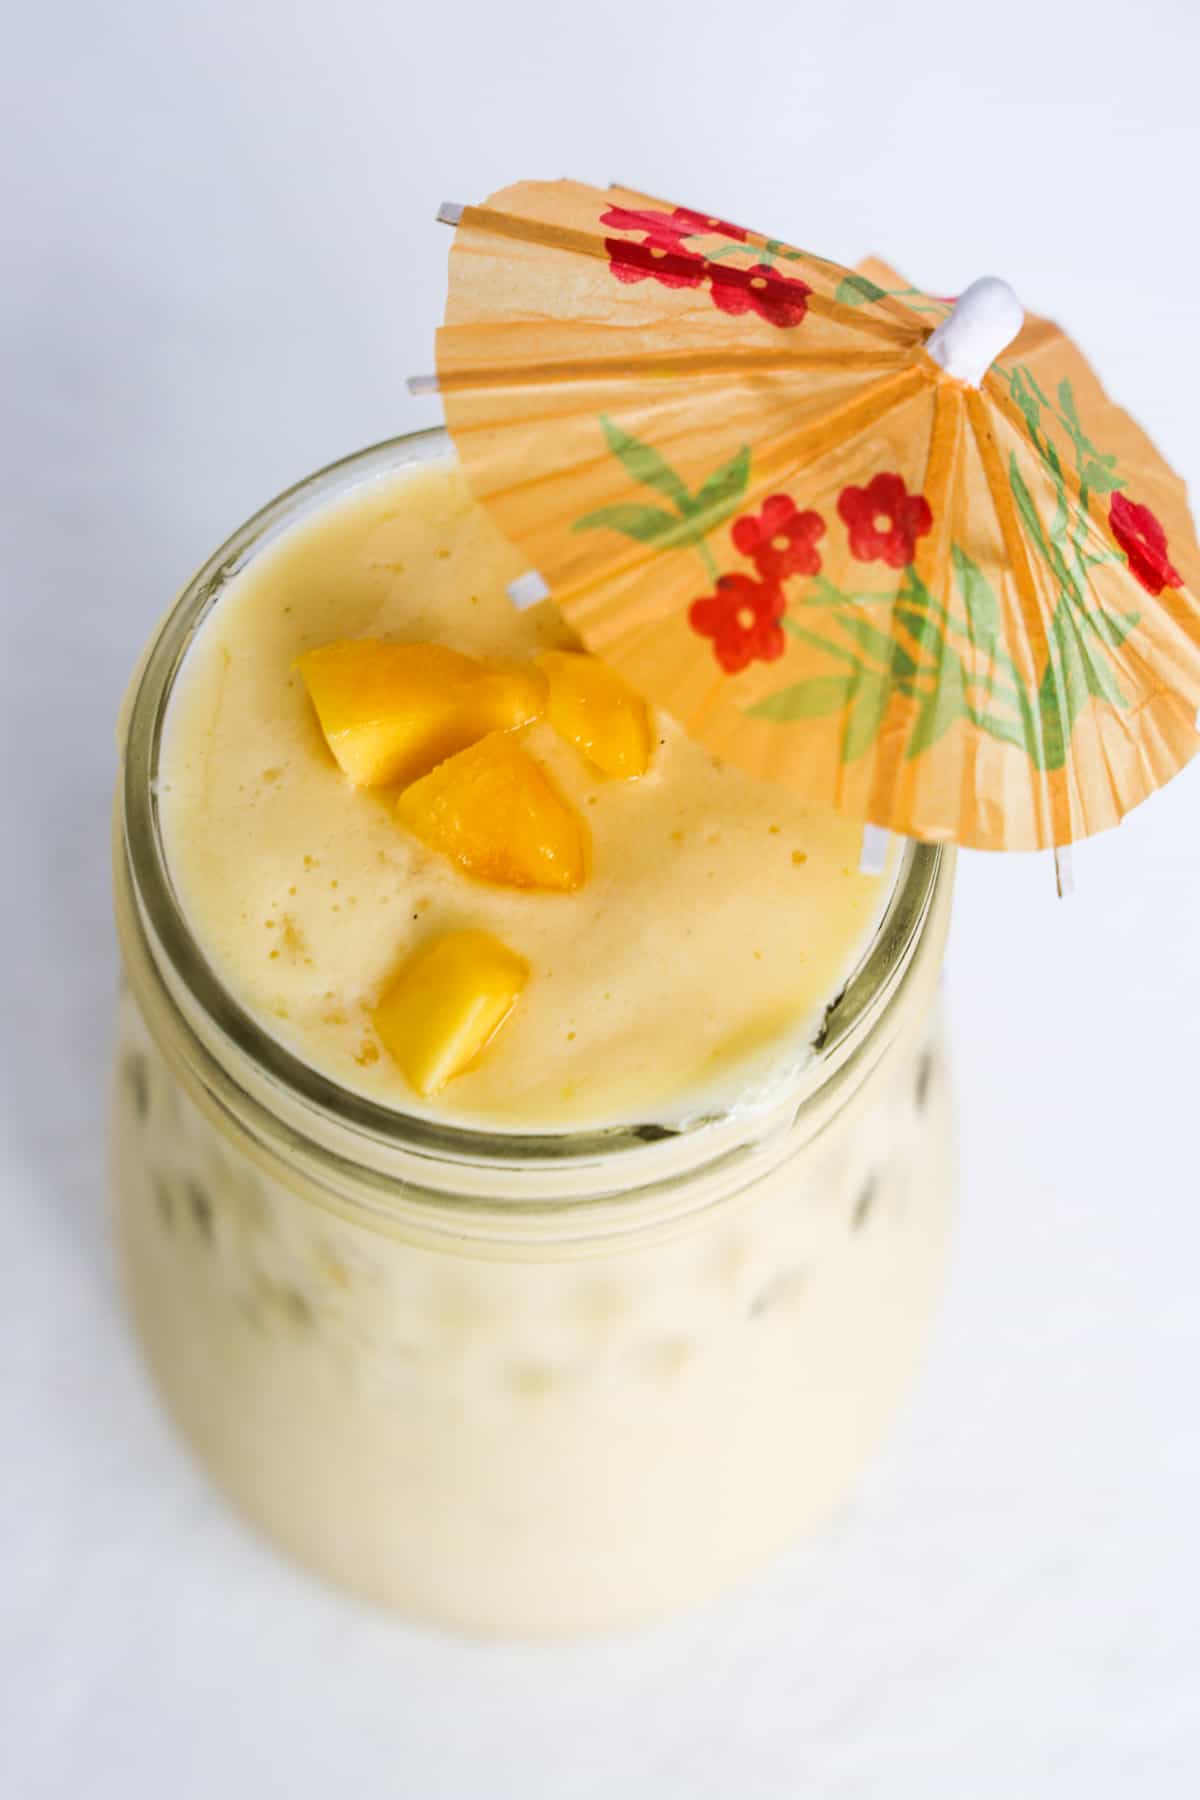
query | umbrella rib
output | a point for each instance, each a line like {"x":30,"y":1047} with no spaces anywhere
{"x":933,"y":557}
{"x":1036,"y":643}
{"x":747,"y":360}
{"x":855,"y":320}
{"x":849,"y":417}
{"x":1029,"y":620}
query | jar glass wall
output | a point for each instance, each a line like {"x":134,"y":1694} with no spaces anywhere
{"x":509,"y":1383}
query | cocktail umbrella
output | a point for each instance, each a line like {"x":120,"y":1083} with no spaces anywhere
{"x":897,"y":553}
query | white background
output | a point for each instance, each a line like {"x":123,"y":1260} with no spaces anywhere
{"x":222,"y":268}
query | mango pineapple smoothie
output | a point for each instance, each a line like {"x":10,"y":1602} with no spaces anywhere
{"x":680,"y":966}
{"x":597,"y":1269}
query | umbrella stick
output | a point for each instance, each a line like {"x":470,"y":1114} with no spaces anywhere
{"x":1064,"y":871}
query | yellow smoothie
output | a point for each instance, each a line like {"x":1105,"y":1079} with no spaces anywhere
{"x":686,"y":975}
{"x":502,"y":1381}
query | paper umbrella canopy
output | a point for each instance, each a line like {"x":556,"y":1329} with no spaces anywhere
{"x":897,"y":553}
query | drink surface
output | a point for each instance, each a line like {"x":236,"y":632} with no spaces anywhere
{"x":687,"y":974}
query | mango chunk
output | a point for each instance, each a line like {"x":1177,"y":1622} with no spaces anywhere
{"x":492,"y":810}
{"x":446,"y":1005}
{"x":591,"y":707}
{"x":389,"y":712}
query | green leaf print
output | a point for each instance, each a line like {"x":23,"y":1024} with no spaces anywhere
{"x":695,"y":515}
{"x":1098,"y":678}
{"x":645,"y":523}
{"x":717,"y":497}
{"x":890,"y":652}
{"x":837,"y":651}
{"x":856,"y":290}
{"x":930,"y":669}
{"x":920,"y":626}
{"x":1068,"y":409}
{"x":1061,"y":696}
{"x":1024,"y":736}
{"x":1033,"y":382}
{"x":866,"y":715}
{"x":1113,"y":628}
{"x":1028,"y":397}
{"x":647,"y":466}
{"x":1050,"y":552}
{"x":1099,"y":476}
{"x":1095,"y":468}
{"x":1062,"y":513}
{"x":982,"y":607}
{"x":1072,"y":677}
{"x":945,"y":702}
{"x":1026,"y":508}
{"x":918,"y":612}
{"x":1074,"y":672}
{"x":813,"y":699}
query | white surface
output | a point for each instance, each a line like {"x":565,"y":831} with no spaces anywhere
{"x":226,"y":265}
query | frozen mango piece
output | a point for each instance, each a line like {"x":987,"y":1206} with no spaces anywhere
{"x":506,"y":696}
{"x":447,"y":1004}
{"x":391,"y":711}
{"x":590,"y":706}
{"x":492,"y":810}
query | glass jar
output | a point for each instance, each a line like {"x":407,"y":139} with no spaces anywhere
{"x":514,"y":1384}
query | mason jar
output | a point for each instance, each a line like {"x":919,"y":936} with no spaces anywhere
{"x":514,"y":1384}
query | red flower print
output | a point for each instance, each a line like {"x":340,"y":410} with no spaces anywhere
{"x":1144,"y":542}
{"x":668,"y":230}
{"x":661,"y":254}
{"x":781,"y":539}
{"x":692,"y":224}
{"x":884,"y":520}
{"x":779,"y":299}
{"x":742,"y":619}
{"x":652,"y":262}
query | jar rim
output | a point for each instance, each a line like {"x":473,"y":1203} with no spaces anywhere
{"x":164,"y":921}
